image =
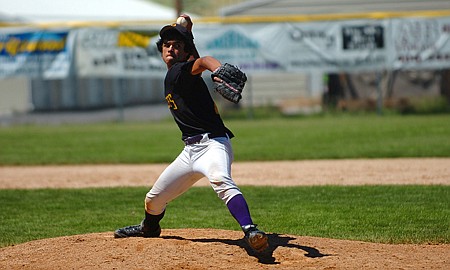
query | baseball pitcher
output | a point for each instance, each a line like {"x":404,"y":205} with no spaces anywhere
{"x":207,"y":148}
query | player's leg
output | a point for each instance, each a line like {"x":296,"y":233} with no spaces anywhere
{"x":215,"y":164}
{"x":214,"y":161}
{"x":174,"y":180}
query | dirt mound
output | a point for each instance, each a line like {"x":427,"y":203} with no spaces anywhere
{"x":217,"y":249}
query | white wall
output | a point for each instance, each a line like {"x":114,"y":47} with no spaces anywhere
{"x":14,"y":96}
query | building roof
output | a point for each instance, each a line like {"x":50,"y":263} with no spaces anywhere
{"x":303,"y":7}
{"x":46,"y":11}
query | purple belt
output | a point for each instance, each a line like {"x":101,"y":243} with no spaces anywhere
{"x":199,"y":137}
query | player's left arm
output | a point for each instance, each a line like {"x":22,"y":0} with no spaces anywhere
{"x":205,"y":63}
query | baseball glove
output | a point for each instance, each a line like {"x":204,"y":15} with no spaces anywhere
{"x":231,"y":82}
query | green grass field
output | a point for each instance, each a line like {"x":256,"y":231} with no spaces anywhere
{"x":389,"y":214}
{"x":327,"y":137}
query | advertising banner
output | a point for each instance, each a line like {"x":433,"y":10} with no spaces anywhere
{"x":420,"y":43}
{"x":327,"y":46}
{"x":330,"y":46}
{"x":114,"y":53}
{"x":31,"y":53}
{"x":247,"y":46}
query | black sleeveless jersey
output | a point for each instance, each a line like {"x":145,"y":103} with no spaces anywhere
{"x":191,"y":104}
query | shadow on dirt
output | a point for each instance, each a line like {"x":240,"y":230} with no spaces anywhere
{"x":266,"y":257}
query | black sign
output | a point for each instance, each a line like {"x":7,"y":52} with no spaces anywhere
{"x":366,"y":37}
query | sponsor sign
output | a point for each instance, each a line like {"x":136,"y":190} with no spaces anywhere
{"x":420,"y":43}
{"x":34,"y":54}
{"x":243,"y":46}
{"x":114,"y":53}
{"x":326,"y":46}
{"x":294,"y":47}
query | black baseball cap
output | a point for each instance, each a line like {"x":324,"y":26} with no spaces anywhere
{"x":176,"y":29}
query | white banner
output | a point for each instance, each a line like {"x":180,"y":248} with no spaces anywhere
{"x":114,"y":53}
{"x":334,"y":46}
{"x":241,"y":45}
{"x":328,"y":46}
{"x":331,"y":46}
{"x":276,"y":47}
{"x":34,"y":53}
{"x":420,"y":43}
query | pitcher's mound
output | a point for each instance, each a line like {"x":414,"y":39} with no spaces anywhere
{"x":217,"y":249}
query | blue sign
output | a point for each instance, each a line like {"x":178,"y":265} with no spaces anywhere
{"x":32,"y":43}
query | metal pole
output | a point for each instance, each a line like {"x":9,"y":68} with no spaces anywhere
{"x":249,"y":87}
{"x":120,"y":108}
{"x":380,"y":94}
{"x":178,"y":7}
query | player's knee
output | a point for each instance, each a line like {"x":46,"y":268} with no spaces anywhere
{"x":226,"y":194}
{"x":219,"y":178}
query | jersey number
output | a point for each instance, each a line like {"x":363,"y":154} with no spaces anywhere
{"x":170,"y":102}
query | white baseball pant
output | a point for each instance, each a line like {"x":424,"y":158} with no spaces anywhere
{"x":210,"y":157}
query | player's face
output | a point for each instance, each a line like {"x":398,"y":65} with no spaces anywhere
{"x":173,"y":52}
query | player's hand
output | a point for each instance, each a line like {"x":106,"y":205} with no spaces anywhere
{"x":229,"y":81}
{"x":189,"y":22}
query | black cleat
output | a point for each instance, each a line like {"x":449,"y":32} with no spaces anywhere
{"x":136,"y":231}
{"x":256,"y":239}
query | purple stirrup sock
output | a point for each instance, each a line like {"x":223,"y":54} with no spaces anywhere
{"x":239,"y":210}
